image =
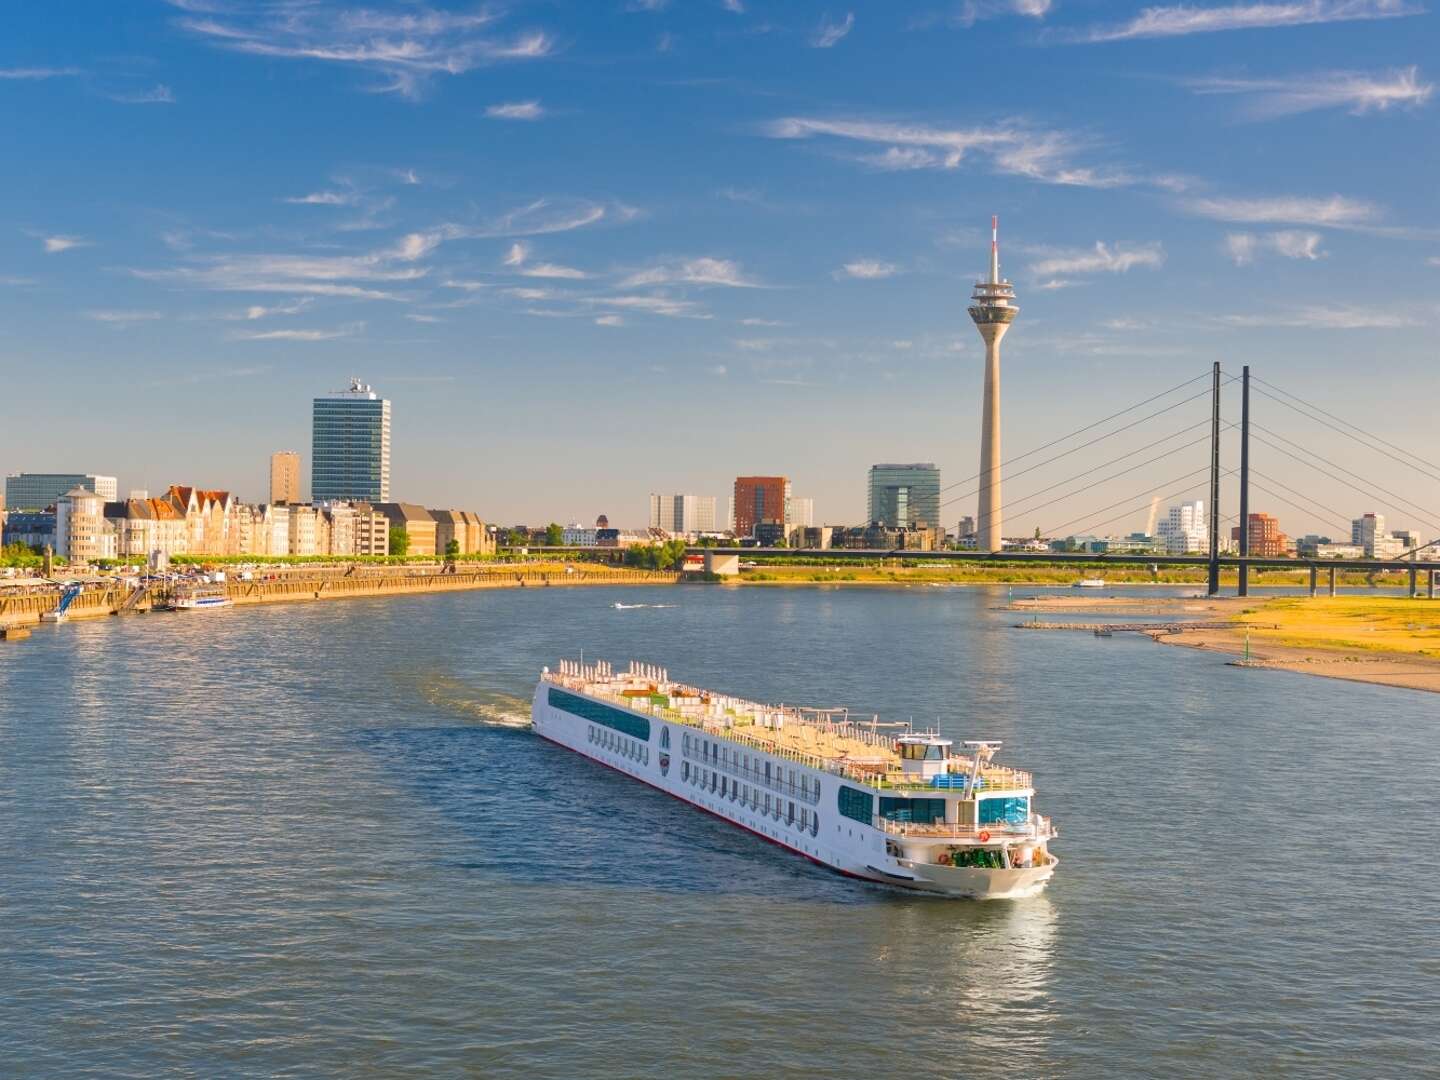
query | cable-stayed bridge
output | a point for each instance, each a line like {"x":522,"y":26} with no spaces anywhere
{"x":1195,"y":425}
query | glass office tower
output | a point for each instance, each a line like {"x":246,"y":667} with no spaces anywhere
{"x":350,"y":446}
{"x":903,"y":495}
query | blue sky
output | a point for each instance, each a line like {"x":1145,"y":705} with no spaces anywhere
{"x":595,"y":249}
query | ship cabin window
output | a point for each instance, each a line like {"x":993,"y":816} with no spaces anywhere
{"x":665,"y":738}
{"x":790,"y":815}
{"x":1010,"y":811}
{"x":921,"y":752}
{"x":918,"y":810}
{"x":637,"y":727}
{"x":686,"y":743}
{"x":767,"y":772}
{"x":685,"y":770}
{"x":767,"y":802}
{"x":855,"y":804}
{"x":815,"y":825}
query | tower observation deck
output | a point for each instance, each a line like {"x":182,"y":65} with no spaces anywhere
{"x":993,"y":309}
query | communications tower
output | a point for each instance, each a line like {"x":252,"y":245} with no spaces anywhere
{"x":993,"y":309}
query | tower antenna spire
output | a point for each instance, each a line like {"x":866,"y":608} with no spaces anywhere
{"x":992,"y":307}
{"x":994,"y":249}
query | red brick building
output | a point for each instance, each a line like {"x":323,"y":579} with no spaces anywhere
{"x":760,"y":499}
{"x":1266,"y":539}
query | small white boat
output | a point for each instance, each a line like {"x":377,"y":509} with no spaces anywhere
{"x":200,"y":600}
{"x":1089,"y":583}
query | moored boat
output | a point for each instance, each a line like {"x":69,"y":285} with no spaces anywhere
{"x":201,"y":598}
{"x":904,"y":809}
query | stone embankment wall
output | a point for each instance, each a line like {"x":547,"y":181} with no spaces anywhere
{"x":26,"y":609}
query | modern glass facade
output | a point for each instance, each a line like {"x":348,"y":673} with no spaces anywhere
{"x":350,"y":447}
{"x":904,"y":495}
{"x":37,"y":491}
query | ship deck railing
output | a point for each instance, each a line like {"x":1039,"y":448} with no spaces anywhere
{"x":997,"y":778}
{"x":1035,"y":829}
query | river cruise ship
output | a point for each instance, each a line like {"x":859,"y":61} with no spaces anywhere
{"x":880,"y":802}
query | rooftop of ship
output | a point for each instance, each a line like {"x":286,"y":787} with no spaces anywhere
{"x":831,"y":739}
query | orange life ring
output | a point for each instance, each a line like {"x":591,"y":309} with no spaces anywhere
{"x":984,"y":838}
{"x":943,"y":858}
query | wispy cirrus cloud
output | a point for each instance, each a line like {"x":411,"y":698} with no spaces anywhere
{"x":1244,"y":248}
{"x":324,"y":198}
{"x":1009,"y":147}
{"x":366,"y":276}
{"x":518,"y":258}
{"x":37,"y":73}
{"x":699,"y":271}
{"x":867,"y":270}
{"x":123,"y":318}
{"x":406,"y":48}
{"x":1181,"y":19}
{"x":54,"y":245}
{"x":1328,"y":318}
{"x":1101,"y":259}
{"x":969,"y":12}
{"x":1334,"y":211}
{"x":516,"y":110}
{"x":610,"y":320}
{"x":651,"y":304}
{"x":832,"y":31}
{"x":349,"y":330}
{"x":159,"y":94}
{"x":1356,"y":92}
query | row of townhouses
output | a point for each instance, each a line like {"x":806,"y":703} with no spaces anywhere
{"x":194,"y":521}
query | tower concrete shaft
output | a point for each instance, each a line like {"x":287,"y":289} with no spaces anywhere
{"x":993,"y":310}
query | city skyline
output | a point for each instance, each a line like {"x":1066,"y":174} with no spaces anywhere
{"x":259,"y":224}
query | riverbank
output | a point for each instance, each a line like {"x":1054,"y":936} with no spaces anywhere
{"x":941,"y":573}
{"x":299,"y":586}
{"x":1386,"y":640}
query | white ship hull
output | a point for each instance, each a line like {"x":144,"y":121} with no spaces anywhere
{"x":201,"y":603}
{"x":775,"y":798}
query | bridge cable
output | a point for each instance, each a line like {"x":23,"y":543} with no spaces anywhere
{"x":1135,"y":509}
{"x":1087,"y":472}
{"x":1087,"y":427}
{"x":1414,"y":507}
{"x":1404,"y":461}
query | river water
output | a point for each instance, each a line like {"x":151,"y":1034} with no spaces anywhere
{"x":308,"y":839}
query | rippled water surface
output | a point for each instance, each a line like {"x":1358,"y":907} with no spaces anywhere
{"x":310,"y":839}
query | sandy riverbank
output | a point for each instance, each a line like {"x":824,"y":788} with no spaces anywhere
{"x":1387,"y":640}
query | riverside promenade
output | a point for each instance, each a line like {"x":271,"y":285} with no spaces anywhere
{"x":26,"y":608}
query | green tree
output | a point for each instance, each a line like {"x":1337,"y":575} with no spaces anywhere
{"x":399,"y":541}
{"x":554,"y":534}
{"x":452,"y":549}
{"x":516,"y":538}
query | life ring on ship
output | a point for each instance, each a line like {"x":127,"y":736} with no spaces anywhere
{"x":984,"y":838}
{"x":943,"y":859}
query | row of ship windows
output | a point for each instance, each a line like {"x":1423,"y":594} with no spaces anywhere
{"x":762,"y":803}
{"x":616,"y":743}
{"x":764,"y":772}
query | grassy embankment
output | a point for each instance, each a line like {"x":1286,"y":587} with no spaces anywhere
{"x":1372,"y":624}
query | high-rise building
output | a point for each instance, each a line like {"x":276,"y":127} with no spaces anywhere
{"x":993,"y":310}
{"x":682,"y":515}
{"x":350,"y":446}
{"x":760,"y":500}
{"x":285,"y":477}
{"x":36,"y":491}
{"x":903,"y":495}
{"x":1183,"y":530}
{"x":965,"y":528}
{"x":802,"y":512}
{"x":1365,"y":530}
